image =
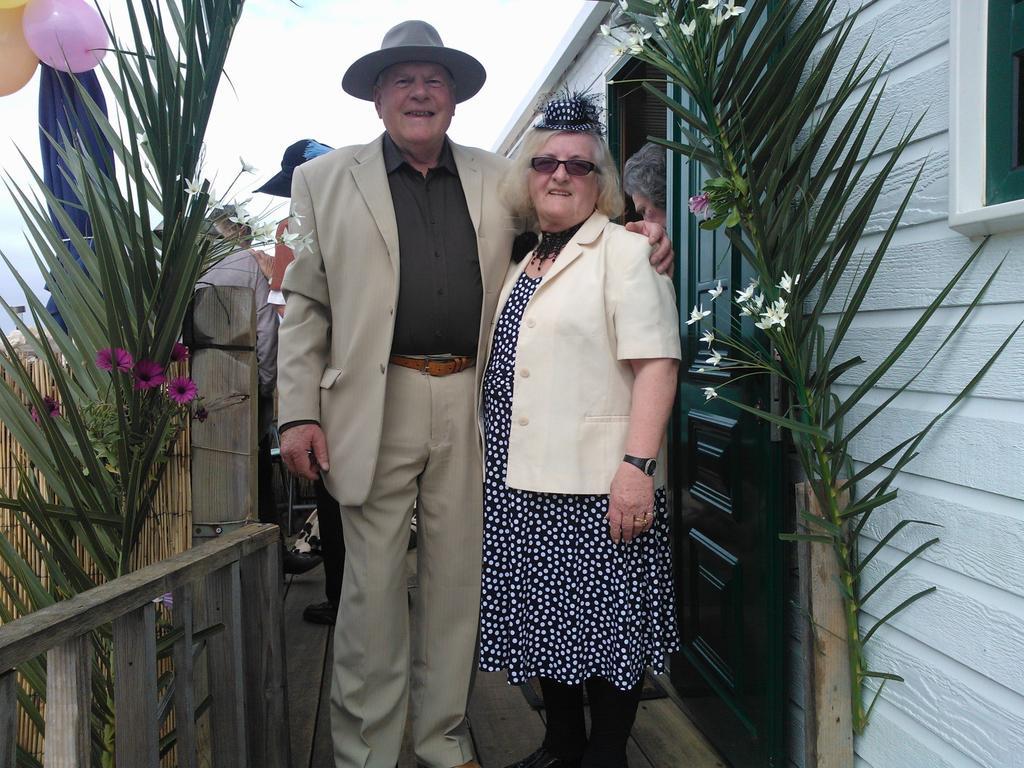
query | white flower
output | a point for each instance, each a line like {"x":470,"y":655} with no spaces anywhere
{"x":716,"y":357}
{"x":618,"y":52}
{"x":788,"y":283}
{"x":305,"y":243}
{"x":759,"y":301}
{"x":246,"y":168}
{"x":624,"y":5}
{"x":745,"y":295}
{"x":193,"y":187}
{"x":708,"y":337}
{"x":241,"y":217}
{"x":731,"y":9}
{"x":663,"y":20}
{"x":297,"y":217}
{"x":717,"y":291}
{"x":778,"y":312}
{"x":606,"y":30}
{"x":264,"y":231}
{"x":710,"y":393}
{"x":688,"y":29}
{"x":700,"y":370}
{"x":697,"y":314}
{"x":290,"y":238}
{"x":710,"y":5}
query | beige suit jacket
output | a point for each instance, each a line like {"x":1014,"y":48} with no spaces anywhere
{"x":342,"y":291}
{"x":600,"y":305}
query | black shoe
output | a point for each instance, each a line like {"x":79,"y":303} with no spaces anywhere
{"x":321,"y":613}
{"x":544,"y":759}
{"x":300,"y":562}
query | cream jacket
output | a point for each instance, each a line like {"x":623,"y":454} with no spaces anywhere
{"x":342,"y":291}
{"x":599,"y":306}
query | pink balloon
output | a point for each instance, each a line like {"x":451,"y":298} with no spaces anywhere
{"x":66,"y":34}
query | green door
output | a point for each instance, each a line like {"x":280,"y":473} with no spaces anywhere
{"x":727,"y":515}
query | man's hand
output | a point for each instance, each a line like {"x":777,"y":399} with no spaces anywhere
{"x":304,"y":450}
{"x":663,"y":258}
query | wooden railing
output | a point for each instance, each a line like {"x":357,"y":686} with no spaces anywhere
{"x":233,"y":581}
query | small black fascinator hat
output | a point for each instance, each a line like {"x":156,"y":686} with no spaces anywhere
{"x":571,"y":111}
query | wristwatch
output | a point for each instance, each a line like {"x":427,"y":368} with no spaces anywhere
{"x":647,"y":466}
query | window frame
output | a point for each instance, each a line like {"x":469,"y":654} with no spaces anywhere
{"x":968,"y":172}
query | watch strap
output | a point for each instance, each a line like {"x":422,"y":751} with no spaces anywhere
{"x":645,"y":465}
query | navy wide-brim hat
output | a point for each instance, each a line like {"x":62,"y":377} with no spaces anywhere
{"x":414,"y":41}
{"x":280,"y":184}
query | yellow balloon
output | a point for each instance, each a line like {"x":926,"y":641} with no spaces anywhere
{"x":17,"y":62}
{"x":12,"y":3}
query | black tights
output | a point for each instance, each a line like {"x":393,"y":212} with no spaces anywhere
{"x":612,"y":713}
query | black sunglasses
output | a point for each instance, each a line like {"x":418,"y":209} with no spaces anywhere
{"x":572,"y":167}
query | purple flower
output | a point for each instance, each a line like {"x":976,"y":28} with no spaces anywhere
{"x":148,"y":374}
{"x":182,"y":390}
{"x":700,"y":205}
{"x":52,"y":406}
{"x":114,"y":359}
{"x":167,"y":599}
{"x":179,"y":352}
{"x":201,"y":414}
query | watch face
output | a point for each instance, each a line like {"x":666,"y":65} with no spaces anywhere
{"x":651,"y":467}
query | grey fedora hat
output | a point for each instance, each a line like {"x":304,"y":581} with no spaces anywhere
{"x":414,"y":41}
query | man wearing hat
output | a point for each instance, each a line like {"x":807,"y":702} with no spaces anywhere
{"x":387,"y":316}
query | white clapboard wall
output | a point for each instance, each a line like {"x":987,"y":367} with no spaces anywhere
{"x":960,"y":649}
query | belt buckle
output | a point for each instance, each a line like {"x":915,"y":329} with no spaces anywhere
{"x":427,"y":360}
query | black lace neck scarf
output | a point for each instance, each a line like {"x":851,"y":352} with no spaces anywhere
{"x":549,"y":246}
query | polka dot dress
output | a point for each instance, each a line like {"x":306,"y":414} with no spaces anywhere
{"x":559,"y":598}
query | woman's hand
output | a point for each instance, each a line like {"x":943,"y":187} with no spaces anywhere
{"x":631,"y":504}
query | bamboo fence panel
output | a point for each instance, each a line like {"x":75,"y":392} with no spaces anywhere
{"x":167,"y":532}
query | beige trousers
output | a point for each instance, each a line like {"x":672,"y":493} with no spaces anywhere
{"x":430,"y":453}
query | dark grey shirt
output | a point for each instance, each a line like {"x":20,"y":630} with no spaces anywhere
{"x":440,"y":290}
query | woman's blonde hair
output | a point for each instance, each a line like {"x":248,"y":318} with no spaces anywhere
{"x":515,"y":188}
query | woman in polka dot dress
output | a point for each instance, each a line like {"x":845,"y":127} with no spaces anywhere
{"x":577,"y":576}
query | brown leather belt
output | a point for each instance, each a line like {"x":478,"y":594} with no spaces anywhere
{"x":434,"y":366}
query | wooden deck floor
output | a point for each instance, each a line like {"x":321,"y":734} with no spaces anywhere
{"x":505,"y":727}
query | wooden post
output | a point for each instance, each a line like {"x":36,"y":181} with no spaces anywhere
{"x":828,"y":723}
{"x":266,"y":696}
{"x":224,"y":446}
{"x":136,"y":737}
{"x":184,"y":678}
{"x":68,"y":697}
{"x":8,"y":719}
{"x":224,"y":663}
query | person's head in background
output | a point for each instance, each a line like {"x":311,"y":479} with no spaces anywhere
{"x":221,"y":226}
{"x":643,"y":179}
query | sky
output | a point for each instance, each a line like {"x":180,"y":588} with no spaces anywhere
{"x":285,"y":68}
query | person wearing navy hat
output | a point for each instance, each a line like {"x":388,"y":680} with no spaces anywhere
{"x":405,"y":246}
{"x":280,"y":184}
